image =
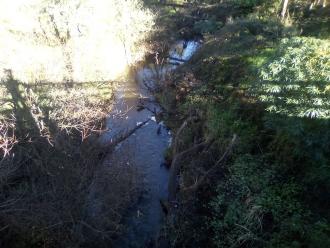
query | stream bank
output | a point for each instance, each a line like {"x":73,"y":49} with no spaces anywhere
{"x":141,"y":153}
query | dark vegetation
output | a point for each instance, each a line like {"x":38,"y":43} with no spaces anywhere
{"x":264,"y":79}
{"x":51,"y":162}
{"x":48,"y":161}
{"x":251,"y":115}
{"x":58,"y":187}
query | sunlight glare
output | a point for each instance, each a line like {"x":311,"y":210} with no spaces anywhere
{"x":99,"y":40}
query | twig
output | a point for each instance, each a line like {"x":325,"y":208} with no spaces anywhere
{"x":95,"y":229}
{"x":222,"y":160}
{"x":180,"y":130}
{"x":175,"y":168}
{"x":177,"y":59}
{"x":128,"y":134}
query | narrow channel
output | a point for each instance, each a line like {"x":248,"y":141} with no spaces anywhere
{"x":145,"y":148}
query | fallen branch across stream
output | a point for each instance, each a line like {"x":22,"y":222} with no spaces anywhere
{"x":113,"y":143}
{"x":128,"y":134}
{"x":177,"y":59}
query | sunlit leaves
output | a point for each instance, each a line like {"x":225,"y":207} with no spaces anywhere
{"x":295,"y":81}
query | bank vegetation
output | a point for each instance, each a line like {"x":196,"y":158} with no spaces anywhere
{"x":59,"y":66}
{"x":251,"y":115}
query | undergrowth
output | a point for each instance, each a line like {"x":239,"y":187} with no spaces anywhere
{"x":263,"y":82}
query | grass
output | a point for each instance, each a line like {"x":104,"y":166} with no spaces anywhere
{"x":78,"y":107}
{"x":92,"y":103}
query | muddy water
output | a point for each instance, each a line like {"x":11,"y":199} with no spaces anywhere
{"x":145,"y":148}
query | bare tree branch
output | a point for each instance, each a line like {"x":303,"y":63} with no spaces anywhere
{"x":205,"y":175}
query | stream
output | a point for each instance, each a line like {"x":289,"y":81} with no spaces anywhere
{"x":145,"y":148}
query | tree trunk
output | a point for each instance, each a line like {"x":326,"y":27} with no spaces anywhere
{"x":284,"y":9}
{"x":68,"y":77}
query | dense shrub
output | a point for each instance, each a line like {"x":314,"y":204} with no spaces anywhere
{"x":273,"y":93}
{"x":295,"y":82}
{"x":207,"y":26}
{"x":277,"y":198}
{"x":247,"y":3}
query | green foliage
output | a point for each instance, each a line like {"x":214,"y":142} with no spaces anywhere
{"x":235,"y":213}
{"x":223,"y":122}
{"x":207,"y":26}
{"x":257,"y":198}
{"x":295,"y":82}
{"x":275,"y":199}
{"x":246,"y":3}
{"x":273,"y":92}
